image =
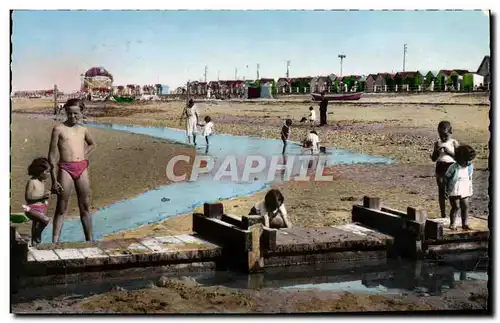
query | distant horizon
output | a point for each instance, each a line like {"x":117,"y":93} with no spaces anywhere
{"x":151,"y":47}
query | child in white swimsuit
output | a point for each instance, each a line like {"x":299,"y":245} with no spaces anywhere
{"x":458,"y":184}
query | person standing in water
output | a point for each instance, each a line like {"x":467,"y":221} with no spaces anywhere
{"x":73,"y":143}
{"x":323,"y":110}
{"x":285,"y":133}
{"x":192,"y":121}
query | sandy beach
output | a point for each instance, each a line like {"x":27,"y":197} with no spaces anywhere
{"x":123,"y":166}
{"x":404,"y":133}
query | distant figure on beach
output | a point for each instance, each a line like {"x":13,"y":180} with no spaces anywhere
{"x":285,"y":133}
{"x":443,"y":155}
{"x":323,"y":109}
{"x":311,"y":142}
{"x":37,"y":198}
{"x":458,"y":184}
{"x":273,"y":209}
{"x":311,"y":118}
{"x":208,"y":128}
{"x":192,"y":121}
{"x":74,"y":144}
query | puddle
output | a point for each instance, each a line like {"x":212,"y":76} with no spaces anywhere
{"x":181,"y":198}
{"x":420,"y":278}
{"x":423,"y":278}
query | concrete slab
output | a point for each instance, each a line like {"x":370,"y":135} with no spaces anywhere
{"x":93,"y":252}
{"x":116,"y":252}
{"x":31,"y":258}
{"x":303,"y":240}
{"x":71,"y":257}
{"x":361,"y":231}
{"x":44,"y":255}
{"x":66,"y":254}
{"x":186,"y":238}
{"x":479,"y":230}
{"x":94,"y":256}
{"x":152,"y":244}
{"x":166,"y":240}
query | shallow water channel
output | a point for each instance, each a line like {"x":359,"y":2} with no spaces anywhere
{"x":390,"y":277}
{"x":183,"y":197}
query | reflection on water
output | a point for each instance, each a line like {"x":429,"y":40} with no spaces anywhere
{"x":421,"y":278}
{"x":182,"y":198}
{"x":418,"y":278}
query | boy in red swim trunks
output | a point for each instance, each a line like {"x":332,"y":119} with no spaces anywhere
{"x":74,"y":144}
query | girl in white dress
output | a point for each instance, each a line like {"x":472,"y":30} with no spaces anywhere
{"x":458,"y":184}
{"x":443,"y":155}
{"x":208,"y":128}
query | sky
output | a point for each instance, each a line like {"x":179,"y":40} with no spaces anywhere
{"x":172,"y":47}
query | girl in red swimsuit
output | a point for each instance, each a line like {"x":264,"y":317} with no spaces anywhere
{"x":37,"y":198}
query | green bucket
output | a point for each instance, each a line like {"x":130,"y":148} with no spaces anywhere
{"x":18,"y":218}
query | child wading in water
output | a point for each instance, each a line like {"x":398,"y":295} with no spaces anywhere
{"x":37,"y":198}
{"x":443,"y":155}
{"x":311,"y":142}
{"x":208,"y":128}
{"x":458,"y":184}
{"x":285,"y":133}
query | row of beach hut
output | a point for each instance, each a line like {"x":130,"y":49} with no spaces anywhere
{"x":443,"y":80}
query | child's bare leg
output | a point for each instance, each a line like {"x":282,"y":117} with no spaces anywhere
{"x":62,"y":204}
{"x":40,"y":222}
{"x":455,"y":208}
{"x":34,"y":241}
{"x":284,"y":146}
{"x":464,"y":212}
{"x":442,"y":198}
{"x":194,"y":139}
{"x":83,"y":192}
{"x":206,"y":139}
{"x":37,"y":216}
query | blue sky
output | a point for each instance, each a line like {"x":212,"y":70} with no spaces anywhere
{"x":144,"y":47}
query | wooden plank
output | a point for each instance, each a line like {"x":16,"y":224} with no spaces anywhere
{"x":386,"y":223}
{"x":222,"y":233}
{"x":268,"y":238}
{"x":213,"y":210}
{"x":231,"y":219}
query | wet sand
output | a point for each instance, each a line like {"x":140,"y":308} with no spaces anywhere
{"x":123,"y":165}
{"x":405,"y":133}
{"x":185,"y":296}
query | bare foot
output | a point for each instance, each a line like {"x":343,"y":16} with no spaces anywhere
{"x":466,"y":228}
{"x":453,"y":228}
